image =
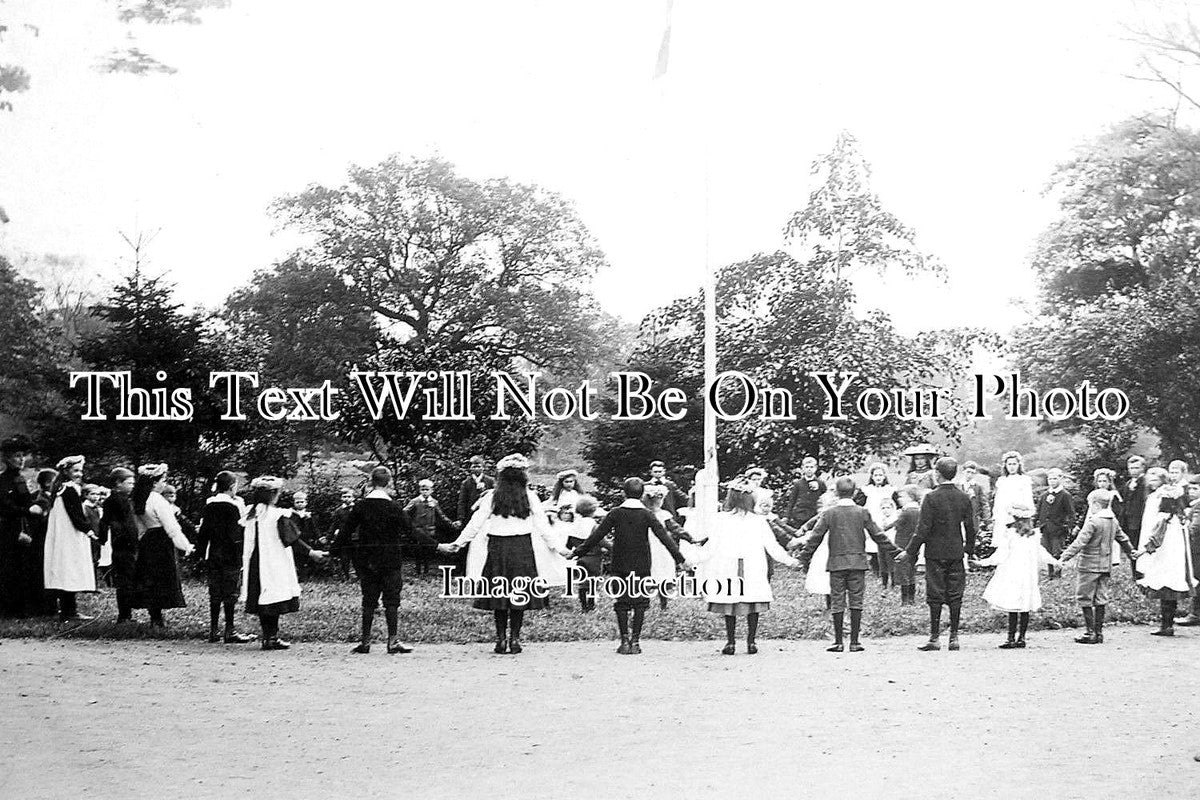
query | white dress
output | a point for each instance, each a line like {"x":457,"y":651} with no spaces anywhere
{"x":1018,"y":561}
{"x":1011,"y":490}
{"x":874,"y":505}
{"x":68,"y":564}
{"x":1169,"y":566}
{"x":737,"y":549}
{"x":816,"y":581}
{"x":276,"y":564}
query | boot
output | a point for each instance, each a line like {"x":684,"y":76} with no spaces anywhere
{"x":837,"y":647}
{"x":1193,"y":618}
{"x":1167,"y":619}
{"x":635,"y":646}
{"x":855,"y":626}
{"x":501,"y":645}
{"x":394,"y":645}
{"x":214,"y":635}
{"x":1099,"y":629}
{"x":1089,"y":619}
{"x":625,"y":648}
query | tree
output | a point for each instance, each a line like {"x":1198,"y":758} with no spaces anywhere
{"x":1120,"y":280}
{"x":495,"y":267}
{"x":844,"y":228}
{"x":1170,"y":42}
{"x":29,"y":362}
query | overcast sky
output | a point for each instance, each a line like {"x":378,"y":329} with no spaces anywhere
{"x":963,"y":109}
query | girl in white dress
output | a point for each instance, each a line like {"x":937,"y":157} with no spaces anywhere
{"x":1165,"y":558}
{"x":1013,"y":488}
{"x":875,"y":491}
{"x":735,"y":557}
{"x":816,"y":581}
{"x":67,"y":567}
{"x":1018,"y":561}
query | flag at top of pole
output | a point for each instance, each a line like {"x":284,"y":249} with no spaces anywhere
{"x":664,"y":49}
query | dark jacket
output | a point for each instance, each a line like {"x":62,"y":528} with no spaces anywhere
{"x":848,"y":527}
{"x":220,"y":535}
{"x":1056,"y":513}
{"x":375,"y":532}
{"x":1134,"y":506}
{"x":469,"y":494}
{"x":426,"y":516}
{"x":946,"y":514}
{"x":631,"y":529}
{"x":15,"y":502}
{"x":802,"y":500}
{"x":674,"y":499}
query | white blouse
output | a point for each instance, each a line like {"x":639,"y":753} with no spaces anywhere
{"x":159,"y":514}
{"x":535,"y":523}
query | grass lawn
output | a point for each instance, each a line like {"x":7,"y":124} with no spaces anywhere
{"x":330,"y":609}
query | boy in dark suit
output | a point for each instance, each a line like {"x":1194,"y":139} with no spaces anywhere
{"x":946,"y":513}
{"x":1055,"y":517}
{"x":472,"y":488}
{"x":631,"y":525}
{"x":1135,"y":493}
{"x":848,"y":526}
{"x":804,"y":496}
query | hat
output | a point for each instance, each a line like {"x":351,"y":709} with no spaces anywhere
{"x":513,"y":461}
{"x":1019,"y":511}
{"x":740,"y":485}
{"x":567,"y":473}
{"x":425,"y":482}
{"x":68,"y":462}
{"x":267,"y":482}
{"x":1103,"y":499}
{"x":923,"y":449}
{"x":756,"y":471}
{"x":152,"y":470}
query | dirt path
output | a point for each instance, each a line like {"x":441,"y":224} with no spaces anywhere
{"x":575,"y":720}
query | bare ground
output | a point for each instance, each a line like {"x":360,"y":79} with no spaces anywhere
{"x":112,"y":719}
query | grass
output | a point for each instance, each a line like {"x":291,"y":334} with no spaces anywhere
{"x":330,"y":610}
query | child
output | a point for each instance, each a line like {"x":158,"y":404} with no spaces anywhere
{"x":735,"y":557}
{"x":1106,"y":479}
{"x":1165,"y":558}
{"x":219,"y":540}
{"x":306,"y":523}
{"x":427,"y":521}
{"x":1055,"y":515}
{"x":1014,"y":587}
{"x":631,"y":524}
{"x":91,"y":509}
{"x":1193,"y":527}
{"x":886,"y":522}
{"x":848,"y":526}
{"x":1094,"y":545}
{"x":68,"y":567}
{"x":120,"y":528}
{"x":662,"y":565}
{"x":816,"y":581}
{"x":581,"y":529}
{"x":905,"y":525}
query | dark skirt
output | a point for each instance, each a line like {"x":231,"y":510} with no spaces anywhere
{"x":510,"y":557}
{"x":224,"y":581}
{"x":591,"y":563}
{"x":156,"y":573}
{"x":254,"y":589}
{"x":124,"y":568}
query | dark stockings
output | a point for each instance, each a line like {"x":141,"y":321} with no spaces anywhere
{"x":751,"y":627}
{"x":838,"y":620}
{"x":730,"y":628}
{"x":124,"y":611}
{"x":270,"y":626}
{"x":214,"y":615}
{"x":639,"y":616}
{"x":855,"y":624}
{"x":1168,"y":613}
{"x":935,"y":621}
{"x":955,"y":615}
{"x":156,"y":617}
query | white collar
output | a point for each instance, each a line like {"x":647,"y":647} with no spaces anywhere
{"x":631,"y":502}
{"x":845,"y":501}
{"x":380,"y":492}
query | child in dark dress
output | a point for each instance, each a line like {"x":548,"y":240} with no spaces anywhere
{"x":219,"y":539}
{"x":120,"y":527}
{"x":905,"y":525}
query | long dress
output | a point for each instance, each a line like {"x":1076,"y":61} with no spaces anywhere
{"x":156,"y":574}
{"x":875,"y":495}
{"x":68,"y":562}
{"x":1014,"y":586}
{"x":1011,"y":490}
{"x":269,"y":583}
{"x":1168,"y":572}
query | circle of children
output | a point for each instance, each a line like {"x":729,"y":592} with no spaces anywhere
{"x":52,"y":541}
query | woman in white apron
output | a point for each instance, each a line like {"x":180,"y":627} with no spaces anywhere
{"x":67,"y":567}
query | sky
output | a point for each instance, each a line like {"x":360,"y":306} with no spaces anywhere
{"x":962,"y":109}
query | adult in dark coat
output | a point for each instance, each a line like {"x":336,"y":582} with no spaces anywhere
{"x":17,"y":509}
{"x":631,"y":525}
{"x":374,"y":539}
{"x":947,"y":530}
{"x":1134,"y":492}
{"x":120,"y":527}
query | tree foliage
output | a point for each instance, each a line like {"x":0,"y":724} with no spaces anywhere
{"x":29,"y":362}
{"x":494,"y":267}
{"x":1120,"y":279}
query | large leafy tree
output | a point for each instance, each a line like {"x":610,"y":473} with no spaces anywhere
{"x":781,"y":317}
{"x":1120,"y":281}
{"x":492,"y":267}
{"x":29,"y":360}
